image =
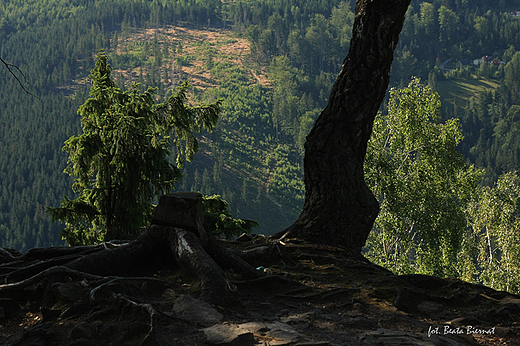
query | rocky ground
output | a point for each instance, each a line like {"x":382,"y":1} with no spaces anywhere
{"x":311,"y":295}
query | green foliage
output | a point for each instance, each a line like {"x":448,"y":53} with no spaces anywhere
{"x":494,"y":238}
{"x":434,"y":218}
{"x":285,"y":98}
{"x":448,"y":22}
{"x":511,"y":77}
{"x":219,"y":221}
{"x":120,"y":161}
{"x":427,"y":19}
{"x":490,"y":122}
{"x":286,"y":182}
{"x":422,"y":184}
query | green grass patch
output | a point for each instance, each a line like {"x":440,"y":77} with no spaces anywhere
{"x":461,"y":90}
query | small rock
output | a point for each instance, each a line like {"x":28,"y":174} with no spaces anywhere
{"x":298,"y":318}
{"x":357,"y":307}
{"x":359,"y":322}
{"x":226,"y":334}
{"x":408,"y":301}
{"x":168,"y":295}
{"x":280,"y":333}
{"x":276,"y":334}
{"x":196,"y":310}
{"x":508,"y":313}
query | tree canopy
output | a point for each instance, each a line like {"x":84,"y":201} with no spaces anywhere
{"x":422,"y":183}
{"x":435,"y":219}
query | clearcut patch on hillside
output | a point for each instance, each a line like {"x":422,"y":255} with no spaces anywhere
{"x":185,"y":54}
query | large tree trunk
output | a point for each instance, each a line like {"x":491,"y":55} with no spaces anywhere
{"x":339,"y":208}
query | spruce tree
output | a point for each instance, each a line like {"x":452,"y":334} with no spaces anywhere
{"x":120,"y":161}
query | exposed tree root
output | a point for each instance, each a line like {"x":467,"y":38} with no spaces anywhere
{"x":58,"y":270}
{"x":106,"y":280}
{"x":157,"y":245}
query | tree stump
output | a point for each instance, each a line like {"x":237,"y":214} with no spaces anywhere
{"x":183,"y":210}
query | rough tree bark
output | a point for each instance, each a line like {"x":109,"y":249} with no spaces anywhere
{"x":339,"y":209}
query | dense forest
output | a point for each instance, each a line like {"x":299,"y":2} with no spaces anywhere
{"x":253,"y":158}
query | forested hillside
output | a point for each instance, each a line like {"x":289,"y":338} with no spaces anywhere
{"x":271,"y":62}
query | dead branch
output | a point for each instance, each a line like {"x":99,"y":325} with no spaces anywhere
{"x":10,"y":68}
